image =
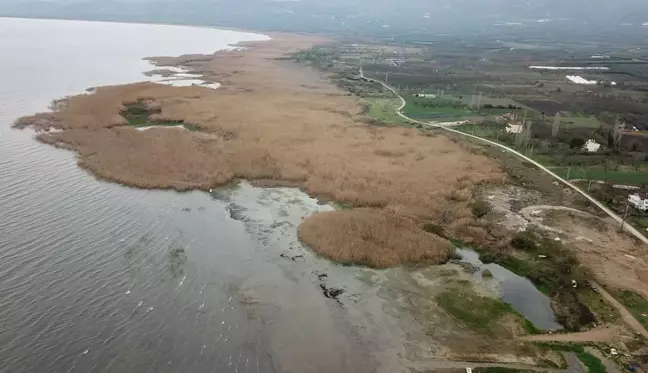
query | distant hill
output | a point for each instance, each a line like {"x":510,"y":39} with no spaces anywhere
{"x":353,"y":16}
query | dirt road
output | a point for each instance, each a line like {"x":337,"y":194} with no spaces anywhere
{"x":594,"y":335}
{"x":625,"y":314}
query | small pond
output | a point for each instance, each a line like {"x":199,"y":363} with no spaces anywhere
{"x":515,"y":290}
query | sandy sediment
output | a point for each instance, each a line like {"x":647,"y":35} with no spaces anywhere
{"x":270,"y":120}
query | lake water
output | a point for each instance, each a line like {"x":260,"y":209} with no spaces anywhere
{"x":96,"y":277}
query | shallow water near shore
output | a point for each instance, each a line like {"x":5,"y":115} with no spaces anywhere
{"x":97,"y":277}
{"x":518,"y":291}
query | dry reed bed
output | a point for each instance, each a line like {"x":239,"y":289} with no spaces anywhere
{"x":368,"y":236}
{"x":275,"y":120}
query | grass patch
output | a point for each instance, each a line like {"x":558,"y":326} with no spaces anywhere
{"x":138,"y":114}
{"x":580,"y":122}
{"x":636,"y":304}
{"x":435,"y":108}
{"x":594,"y":173}
{"x":603,"y":310}
{"x":384,"y":110}
{"x":593,"y":363}
{"x":481,"y":314}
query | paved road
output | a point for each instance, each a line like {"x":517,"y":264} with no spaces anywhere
{"x":630,"y":229}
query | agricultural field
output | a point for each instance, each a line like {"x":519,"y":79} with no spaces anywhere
{"x":436,"y":109}
{"x":621,"y":177}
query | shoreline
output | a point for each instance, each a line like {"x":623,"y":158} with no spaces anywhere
{"x":271,"y":119}
{"x":276,"y":123}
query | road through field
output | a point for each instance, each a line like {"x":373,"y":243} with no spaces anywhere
{"x":628,"y":228}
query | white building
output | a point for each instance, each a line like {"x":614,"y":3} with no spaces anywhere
{"x":425,"y":95}
{"x":591,"y":146}
{"x":514,"y":128}
{"x":638,"y":201}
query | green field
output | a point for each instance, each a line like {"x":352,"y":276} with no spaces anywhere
{"x":435,"y":109}
{"x":622,"y":177}
{"x":579,"y":122}
{"x":384,"y":110}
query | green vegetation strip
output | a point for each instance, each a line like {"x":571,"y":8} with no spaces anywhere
{"x":137,"y":115}
{"x":482,"y":314}
{"x":623,"y":177}
{"x":384,"y":110}
{"x":593,"y":364}
{"x":435,"y":108}
{"x":636,"y":304}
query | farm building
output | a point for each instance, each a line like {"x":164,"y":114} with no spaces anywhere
{"x":591,"y":146}
{"x":639,"y":201}
{"x":514,"y":128}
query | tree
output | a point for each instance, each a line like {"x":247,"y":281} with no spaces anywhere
{"x":617,"y":133}
{"x":577,"y":142}
{"x":556,"y":126}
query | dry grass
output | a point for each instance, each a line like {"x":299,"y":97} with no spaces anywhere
{"x":373,"y":238}
{"x":271,"y":120}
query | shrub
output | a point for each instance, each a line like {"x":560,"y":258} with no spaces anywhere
{"x":524,"y":241}
{"x":480,"y":208}
{"x":434,"y":229}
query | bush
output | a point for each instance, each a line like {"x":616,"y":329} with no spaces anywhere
{"x":593,"y":363}
{"x":480,"y":208}
{"x":576,"y":143}
{"x":524,"y":241}
{"x":434,"y":229}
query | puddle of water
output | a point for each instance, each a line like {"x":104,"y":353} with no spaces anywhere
{"x":515,"y":290}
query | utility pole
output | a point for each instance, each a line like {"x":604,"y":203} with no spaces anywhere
{"x":568,"y":172}
{"x":625,"y":215}
{"x":589,"y":186}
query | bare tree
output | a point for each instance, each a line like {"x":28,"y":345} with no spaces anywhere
{"x":617,"y":133}
{"x":523,"y":139}
{"x":556,"y":126}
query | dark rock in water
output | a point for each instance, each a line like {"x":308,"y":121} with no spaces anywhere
{"x":293,"y":258}
{"x":236,"y":211}
{"x":322,"y":276}
{"x":186,"y":209}
{"x":331,"y":293}
{"x":487,"y":274}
